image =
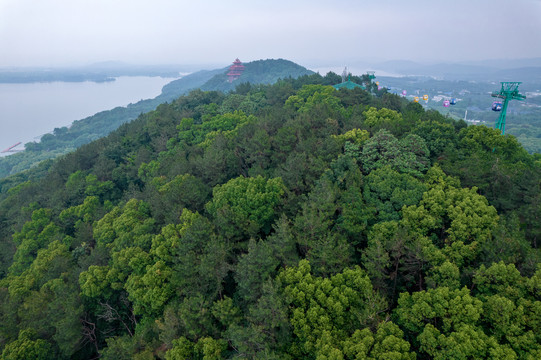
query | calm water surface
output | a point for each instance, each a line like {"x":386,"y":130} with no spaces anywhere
{"x":28,"y":111}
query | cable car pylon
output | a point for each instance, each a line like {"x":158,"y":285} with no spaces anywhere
{"x":509,"y":91}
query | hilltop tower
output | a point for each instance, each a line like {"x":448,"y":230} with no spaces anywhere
{"x":235,"y":70}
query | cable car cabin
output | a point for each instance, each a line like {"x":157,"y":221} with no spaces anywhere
{"x":446,"y":103}
{"x":453,"y":101}
{"x":497,"y":106}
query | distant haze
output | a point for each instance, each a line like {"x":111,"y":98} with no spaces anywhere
{"x":311,"y":33}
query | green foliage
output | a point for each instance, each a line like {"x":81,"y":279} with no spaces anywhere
{"x":409,"y":155}
{"x":445,"y":321}
{"x":382,"y":118}
{"x":167,"y":199}
{"x":267,"y":224}
{"x":447,"y":308}
{"x":226,"y":124}
{"x":151,"y":291}
{"x":310,"y":97}
{"x":79,"y":185}
{"x":123,"y":348}
{"x":35,"y":234}
{"x":483,"y":139}
{"x":386,"y":343}
{"x":50,"y":262}
{"x":182,"y":350}
{"x":333,"y":218}
{"x":386,"y":191}
{"x":254,"y":268}
{"x":50,"y":300}
{"x":488,"y":322}
{"x":246,"y":206}
{"x":438,"y":136}
{"x":500,"y":279}
{"x":27,"y":346}
{"x":200,"y":258}
{"x":325,"y":312}
{"x":465,"y":217}
{"x":205,"y":349}
{"x":465,"y":342}
{"x":448,"y":223}
{"x":355,"y":136}
{"x":129,"y":225}
{"x":263,"y":260}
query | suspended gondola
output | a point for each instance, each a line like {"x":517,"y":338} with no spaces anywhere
{"x":497,"y":106}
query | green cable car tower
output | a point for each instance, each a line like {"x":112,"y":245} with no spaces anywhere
{"x":509,"y":91}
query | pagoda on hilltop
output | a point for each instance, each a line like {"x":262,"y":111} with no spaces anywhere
{"x":235,"y":70}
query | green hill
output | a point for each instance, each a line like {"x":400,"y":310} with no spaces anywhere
{"x":257,"y":72}
{"x":278,"y":221}
{"x":64,"y":140}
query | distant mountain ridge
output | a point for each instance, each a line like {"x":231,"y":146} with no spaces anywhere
{"x":489,"y":70}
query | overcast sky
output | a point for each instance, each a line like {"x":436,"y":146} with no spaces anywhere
{"x":311,"y":32}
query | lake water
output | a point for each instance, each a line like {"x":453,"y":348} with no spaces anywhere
{"x":28,"y":111}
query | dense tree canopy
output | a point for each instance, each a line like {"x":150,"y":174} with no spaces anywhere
{"x":284,"y":221}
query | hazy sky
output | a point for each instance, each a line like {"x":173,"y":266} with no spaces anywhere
{"x":312,"y":32}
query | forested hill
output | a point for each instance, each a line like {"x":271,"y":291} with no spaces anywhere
{"x":257,"y":72}
{"x":64,"y":140}
{"x":284,"y":221}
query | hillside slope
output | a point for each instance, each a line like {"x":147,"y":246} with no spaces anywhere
{"x":65,"y":139}
{"x":284,"y":221}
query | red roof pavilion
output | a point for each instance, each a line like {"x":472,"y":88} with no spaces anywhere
{"x":235,"y":70}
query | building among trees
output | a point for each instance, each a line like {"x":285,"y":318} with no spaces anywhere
{"x":348,"y":85}
{"x":235,"y":70}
